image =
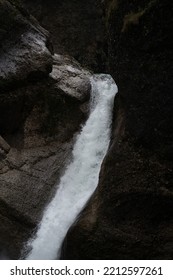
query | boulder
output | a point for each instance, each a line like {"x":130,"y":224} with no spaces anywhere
{"x":71,"y":78}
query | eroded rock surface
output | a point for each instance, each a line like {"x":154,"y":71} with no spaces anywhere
{"x":39,"y":117}
{"x":33,"y":158}
{"x":77,"y":29}
{"x":71,"y":78}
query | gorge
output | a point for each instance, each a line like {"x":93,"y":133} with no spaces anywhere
{"x":129,"y":214}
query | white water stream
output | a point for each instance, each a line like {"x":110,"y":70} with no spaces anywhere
{"x":81,"y":176}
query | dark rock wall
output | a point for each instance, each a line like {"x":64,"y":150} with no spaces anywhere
{"x":24,"y":47}
{"x":76,"y":27}
{"x":130,"y":214}
{"x":141,"y":61}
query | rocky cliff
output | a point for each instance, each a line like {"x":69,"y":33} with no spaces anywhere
{"x":39,"y":116}
{"x":129,"y":216}
{"x":76,"y":28}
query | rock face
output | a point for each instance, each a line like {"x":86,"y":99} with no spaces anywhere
{"x":39,"y":116}
{"x":129,"y":215}
{"x":24,"y":49}
{"x":76,"y":27}
{"x":71,"y":78}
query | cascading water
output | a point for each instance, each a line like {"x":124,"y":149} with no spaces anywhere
{"x":81,"y":176}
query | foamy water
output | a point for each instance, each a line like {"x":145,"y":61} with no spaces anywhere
{"x":81,"y":176}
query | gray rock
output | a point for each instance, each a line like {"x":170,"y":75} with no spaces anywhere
{"x":71,"y":78}
{"x":23,"y":51}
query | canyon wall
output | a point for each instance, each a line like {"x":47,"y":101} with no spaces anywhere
{"x":129,"y":215}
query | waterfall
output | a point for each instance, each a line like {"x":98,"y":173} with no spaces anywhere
{"x":81,"y":176}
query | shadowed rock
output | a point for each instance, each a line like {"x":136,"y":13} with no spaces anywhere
{"x":24,"y":49}
{"x":130,"y":215}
